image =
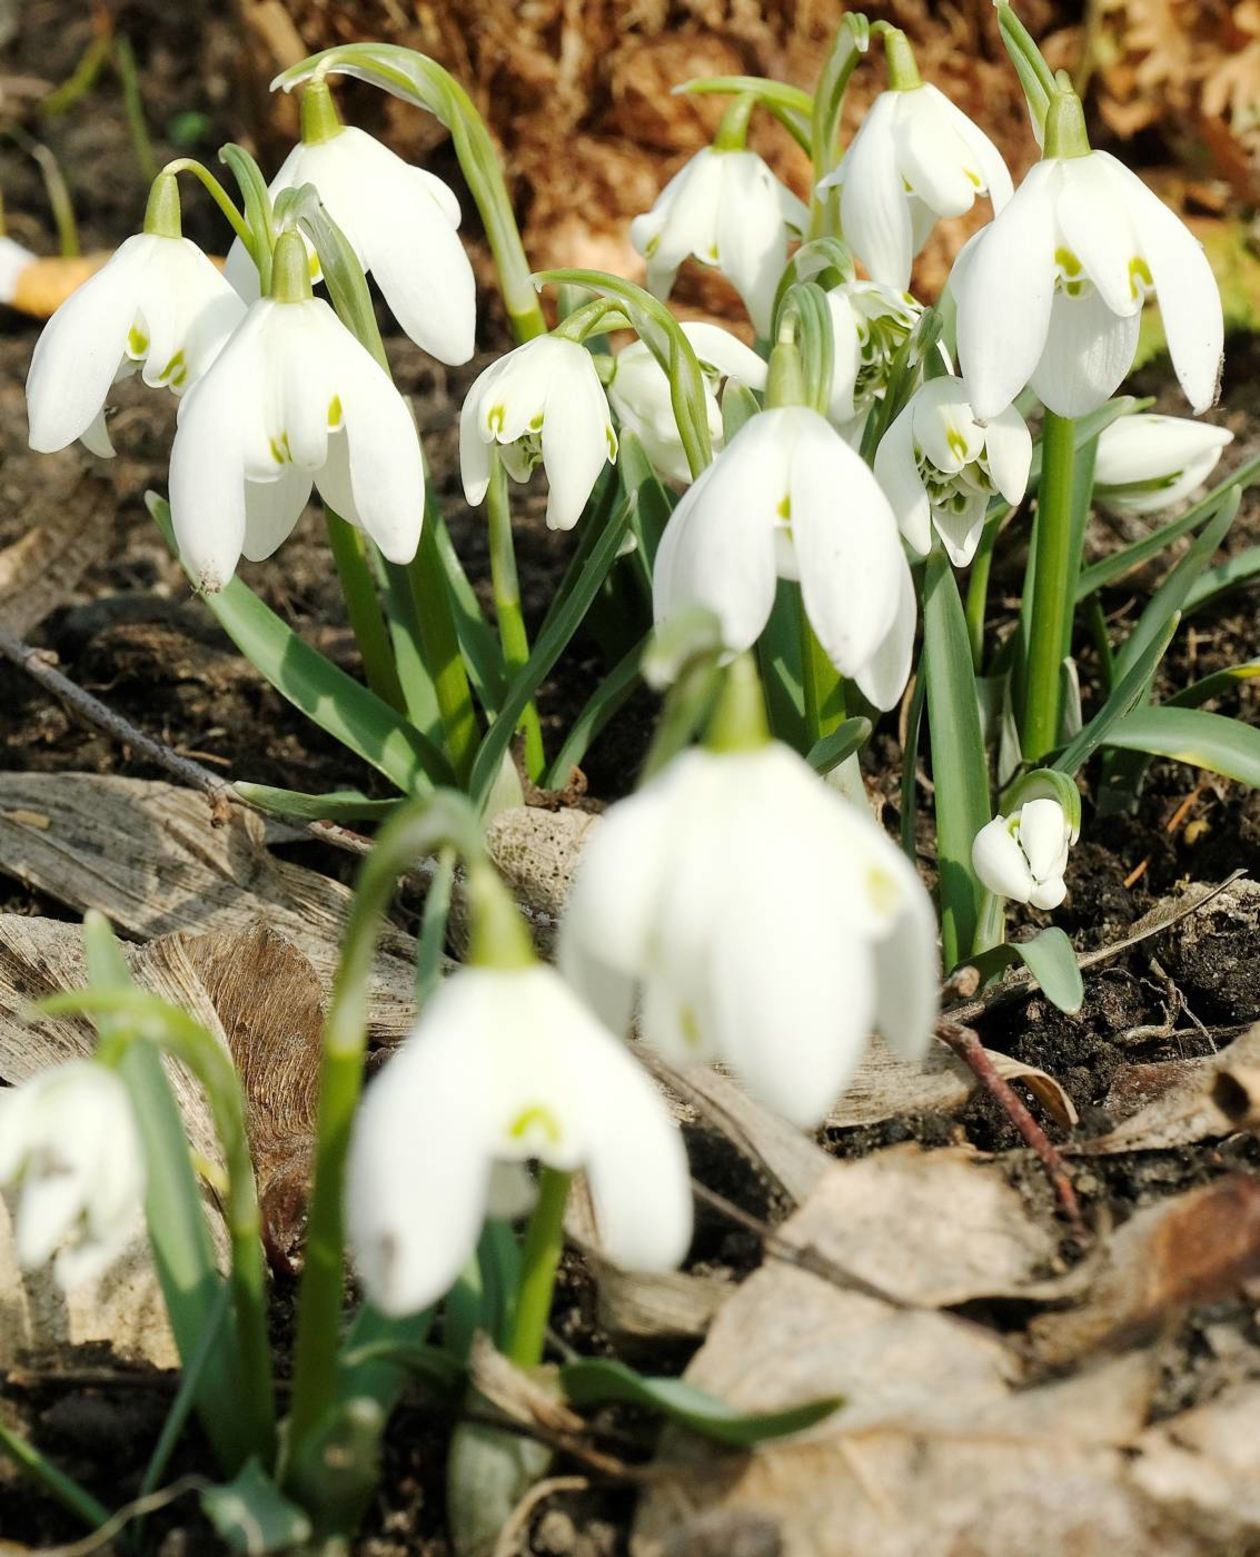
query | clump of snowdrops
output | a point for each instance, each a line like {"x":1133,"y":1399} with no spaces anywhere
{"x":788,"y":541}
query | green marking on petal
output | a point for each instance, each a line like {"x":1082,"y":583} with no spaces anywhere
{"x":611,"y":438}
{"x":957,"y":443}
{"x":689,"y":1026}
{"x":175,"y":373}
{"x":536,"y":422}
{"x":137,"y":342}
{"x":536,"y":1120}
{"x":335,"y":413}
{"x":1067,"y":262}
{"x":496,"y":417}
{"x":280,"y":451}
{"x":1140,"y":278}
{"x":784,"y":510}
{"x":882,"y":890}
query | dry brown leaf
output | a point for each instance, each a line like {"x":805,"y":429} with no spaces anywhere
{"x":148,"y":857}
{"x":39,"y":571}
{"x":1195,"y":1248}
{"x":1198,"y":1100}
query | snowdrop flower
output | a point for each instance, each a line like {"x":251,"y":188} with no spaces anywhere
{"x":762,"y":919}
{"x":726,"y":209}
{"x":70,"y":1149}
{"x":640,"y":392}
{"x":157,"y":306}
{"x":15,"y":260}
{"x":401,"y":221}
{"x":915,"y":158}
{"x":869,"y":326}
{"x":292,"y":400}
{"x":788,"y":498}
{"x":1023,"y":856}
{"x":543,"y":402}
{"x":1051,"y":292}
{"x":939,"y":467}
{"x":506,"y":1064}
{"x":1147,"y":462}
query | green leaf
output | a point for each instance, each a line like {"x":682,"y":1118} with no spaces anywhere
{"x":1220,"y":681}
{"x":563,"y":621}
{"x":480,"y":645}
{"x":1108,"y":569}
{"x":1191,"y":735}
{"x":338,"y":805}
{"x":1233,"y":574}
{"x":655,"y":501}
{"x":600,"y":1381}
{"x":844,"y":740}
{"x":253,"y":1516}
{"x":1127,"y":693}
{"x":612,"y":693}
{"x":336,"y":702}
{"x":1051,"y":959}
{"x":959,"y":768}
{"x":739,"y":405}
{"x":41,"y":1470}
{"x":365,"y":1371}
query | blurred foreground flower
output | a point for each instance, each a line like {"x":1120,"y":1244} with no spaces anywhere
{"x":70,"y":1149}
{"x":1147,"y":463}
{"x":543,"y":401}
{"x":292,"y":401}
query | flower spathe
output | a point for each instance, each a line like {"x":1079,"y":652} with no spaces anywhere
{"x":157,"y":307}
{"x":869,"y":326}
{"x":1050,"y":293}
{"x":789,"y":498}
{"x":70,"y":1149}
{"x":403,"y":224}
{"x":1147,"y":462}
{"x":1023,"y":856}
{"x":940,"y":466}
{"x":726,"y":209}
{"x":915,"y":158}
{"x":761,"y":919}
{"x":292,"y":401}
{"x":640,"y":392}
{"x":542,"y":402}
{"x":506,"y":1065}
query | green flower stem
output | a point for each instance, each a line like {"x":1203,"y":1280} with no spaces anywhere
{"x":978,"y":590}
{"x":439,"y":649}
{"x":358,"y":586}
{"x":507,"y":605}
{"x":217,"y":193}
{"x":825,"y":708}
{"x":1054,"y":574}
{"x":56,"y":1483}
{"x":544,"y":1244}
{"x":738,"y":722}
{"x":419,"y":829}
{"x":732,"y":132}
{"x":990,"y":924}
{"x":161,"y":213}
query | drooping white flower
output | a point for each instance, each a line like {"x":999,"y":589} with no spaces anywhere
{"x":401,"y":221}
{"x":725,"y":209}
{"x":915,"y":158}
{"x":1147,"y":462}
{"x":543,"y":401}
{"x":157,"y":306}
{"x":1050,"y":293}
{"x":939,"y":467}
{"x":15,"y":260}
{"x":292,"y":400}
{"x":869,"y":326}
{"x":1023,"y":856}
{"x":788,"y":498}
{"x":761,"y":919}
{"x":70,"y":1149}
{"x":640,"y":392}
{"x":506,"y":1065}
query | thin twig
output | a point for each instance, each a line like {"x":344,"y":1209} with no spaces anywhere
{"x":969,"y":1049}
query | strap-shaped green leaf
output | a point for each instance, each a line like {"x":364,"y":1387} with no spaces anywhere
{"x":1051,"y":959}
{"x":1194,"y":736}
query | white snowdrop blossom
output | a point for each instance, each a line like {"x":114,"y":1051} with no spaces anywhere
{"x":543,"y":401}
{"x":402,"y":223}
{"x":292,"y":400}
{"x":939,"y":467}
{"x":915,"y":158}
{"x":869,"y":326}
{"x":71,"y":1153}
{"x":15,"y":259}
{"x":506,"y":1065}
{"x":1023,"y":856}
{"x":788,"y":498}
{"x":725,"y":209}
{"x":1147,"y":462}
{"x":640,"y":392}
{"x":1050,"y":293}
{"x":762,"y":919}
{"x":157,"y":307}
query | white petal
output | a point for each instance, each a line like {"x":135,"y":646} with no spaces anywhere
{"x":307,"y":343}
{"x":1094,"y":223}
{"x":996,"y":180}
{"x":932,"y":157}
{"x":1049,"y":894}
{"x":683,"y":221}
{"x":1000,"y":864}
{"x":1089,"y":350}
{"x":1008,"y":446}
{"x":1149,"y":447}
{"x":897,"y":472}
{"x":1043,"y":836}
{"x":718,"y":348}
{"x":846,"y":355}
{"x":873,"y":208}
{"x":96,"y":439}
{"x":577,"y":437}
{"x":960,"y":532}
{"x":908,"y":974}
{"x":241,"y":273}
{"x":272,"y":508}
{"x":78,"y":353}
{"x":751,"y":241}
{"x":718,"y":547}
{"x":1005,"y":294}
{"x":844,"y":536}
{"x":474,"y":446}
{"x":882,"y":679}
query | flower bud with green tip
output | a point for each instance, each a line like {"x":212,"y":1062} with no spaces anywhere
{"x":1022,"y":855}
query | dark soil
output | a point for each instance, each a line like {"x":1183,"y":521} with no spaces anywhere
{"x":134,"y":635}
